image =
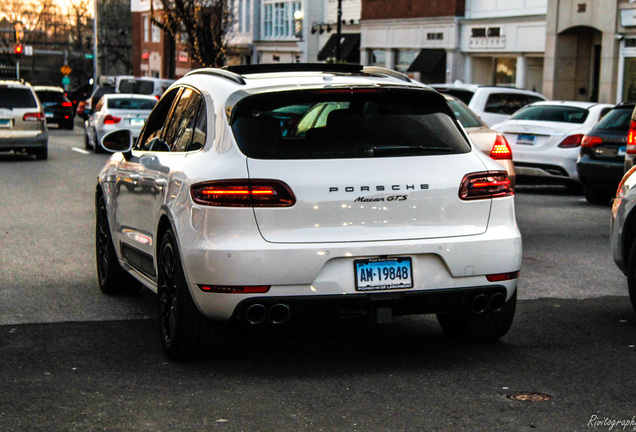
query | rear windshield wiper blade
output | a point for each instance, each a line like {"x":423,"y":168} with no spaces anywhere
{"x":392,"y":150}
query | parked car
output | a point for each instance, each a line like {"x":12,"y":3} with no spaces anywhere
{"x":142,"y":85}
{"x":117,"y":111}
{"x":493,"y":104}
{"x":601,"y":161}
{"x":545,"y":138}
{"x":58,"y":109}
{"x":623,"y":230}
{"x":490,"y":142}
{"x":384,"y":210}
{"x":22,"y":120}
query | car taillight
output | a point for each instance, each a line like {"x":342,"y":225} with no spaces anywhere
{"x":501,"y":149}
{"x":571,"y":141}
{"x":502,"y":276}
{"x":485,"y":185}
{"x":109,"y":119}
{"x":233,"y":289}
{"x":33,"y":117}
{"x":591,"y":141}
{"x":67,"y":104}
{"x":243,"y":193}
{"x":631,"y":138}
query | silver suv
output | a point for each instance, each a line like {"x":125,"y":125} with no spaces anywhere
{"x":22,"y":120}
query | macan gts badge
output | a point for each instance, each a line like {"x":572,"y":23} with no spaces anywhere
{"x":277,"y":193}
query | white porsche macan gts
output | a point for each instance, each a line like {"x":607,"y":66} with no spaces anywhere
{"x":273,"y":193}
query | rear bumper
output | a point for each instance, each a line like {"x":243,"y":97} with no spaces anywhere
{"x":8,"y":143}
{"x":599,"y":174}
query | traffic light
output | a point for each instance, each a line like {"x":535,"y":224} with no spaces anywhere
{"x":18,"y":49}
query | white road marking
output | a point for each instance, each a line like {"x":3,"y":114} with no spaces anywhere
{"x":79,"y":150}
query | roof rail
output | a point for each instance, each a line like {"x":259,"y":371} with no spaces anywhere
{"x":223,"y":73}
{"x":375,"y":70}
{"x":295,"y":67}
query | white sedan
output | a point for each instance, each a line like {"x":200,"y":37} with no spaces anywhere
{"x":545,"y":138}
{"x":117,"y":111}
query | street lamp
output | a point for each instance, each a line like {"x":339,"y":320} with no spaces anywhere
{"x":298,"y":24}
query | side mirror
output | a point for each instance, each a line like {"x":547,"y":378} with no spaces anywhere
{"x":120,"y":140}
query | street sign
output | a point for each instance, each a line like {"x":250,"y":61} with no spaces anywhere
{"x":66,"y":69}
{"x":66,"y":80}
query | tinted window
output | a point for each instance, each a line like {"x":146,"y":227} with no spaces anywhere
{"x":617,"y":119}
{"x":17,"y":98}
{"x":151,"y":136}
{"x":347,"y":124}
{"x":505,"y":103}
{"x":136,"y":86}
{"x":181,"y":127}
{"x":465,"y":116}
{"x":131,"y":104}
{"x":549,"y":113}
{"x":51,"y":96}
{"x":463,"y":95}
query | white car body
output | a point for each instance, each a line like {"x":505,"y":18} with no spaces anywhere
{"x":126,"y":114}
{"x":345,"y":209}
{"x":537,"y":148}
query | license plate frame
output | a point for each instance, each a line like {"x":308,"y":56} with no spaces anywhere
{"x":526,"y":139}
{"x":383,"y":274}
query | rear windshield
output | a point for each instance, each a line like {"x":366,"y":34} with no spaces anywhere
{"x":136,"y":86}
{"x":617,"y":119}
{"x":51,"y":96}
{"x":17,"y":98}
{"x":550,"y":113}
{"x":330,"y":124}
{"x":131,"y":104}
{"x":463,"y":95}
{"x":466,"y":117}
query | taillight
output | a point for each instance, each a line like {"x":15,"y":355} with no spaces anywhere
{"x":501,"y":149}
{"x":631,"y":138}
{"x":109,"y":119}
{"x":502,"y":276}
{"x":591,"y":141}
{"x":33,"y":117}
{"x":243,"y":193}
{"x":67,"y":104}
{"x":485,"y":185}
{"x":571,"y":141}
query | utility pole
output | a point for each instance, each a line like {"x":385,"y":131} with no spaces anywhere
{"x":339,"y":30}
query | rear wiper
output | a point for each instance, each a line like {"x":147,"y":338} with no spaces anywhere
{"x":393,"y":150}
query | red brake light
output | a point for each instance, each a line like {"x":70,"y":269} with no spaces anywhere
{"x":109,"y":119}
{"x":485,"y":185}
{"x":571,"y":141}
{"x":67,"y":104}
{"x":243,"y":193}
{"x":33,"y":117}
{"x":631,"y":138}
{"x":591,"y":141}
{"x":501,"y":149}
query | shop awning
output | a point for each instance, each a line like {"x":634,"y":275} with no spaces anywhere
{"x":429,"y":60}
{"x":349,"y":48}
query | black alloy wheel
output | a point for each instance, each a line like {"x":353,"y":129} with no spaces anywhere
{"x":631,"y":275}
{"x":185,"y":333}
{"x":111,"y":277}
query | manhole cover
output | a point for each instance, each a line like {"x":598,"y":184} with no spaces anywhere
{"x":530,"y":397}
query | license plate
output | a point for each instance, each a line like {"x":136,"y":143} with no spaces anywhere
{"x":622,"y":151}
{"x":525,"y":139}
{"x":378,"y":274}
{"x":136,"y":122}
{"x":5,"y":123}
{"x":48,"y":115}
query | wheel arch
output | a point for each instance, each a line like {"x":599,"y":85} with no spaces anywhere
{"x":628,"y":237}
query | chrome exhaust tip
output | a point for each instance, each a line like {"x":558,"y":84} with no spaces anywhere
{"x":479,"y":303}
{"x":496,"y":302}
{"x":256,"y":314}
{"x":279,"y":313}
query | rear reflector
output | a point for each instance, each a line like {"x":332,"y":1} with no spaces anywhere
{"x":232,"y":289}
{"x":243,"y":193}
{"x":591,"y":141}
{"x":571,"y":141}
{"x":502,"y":276}
{"x":485,"y":185}
{"x":501,"y":149}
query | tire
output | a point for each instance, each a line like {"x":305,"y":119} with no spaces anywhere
{"x":97,"y":148}
{"x":185,"y":333}
{"x":488,"y":325}
{"x":631,"y":275}
{"x":41,"y":154}
{"x":70,"y":125}
{"x":112,"y":278}
{"x":597,"y":196}
{"x":87,"y":144}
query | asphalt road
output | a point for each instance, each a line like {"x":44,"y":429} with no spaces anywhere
{"x":72,"y":359}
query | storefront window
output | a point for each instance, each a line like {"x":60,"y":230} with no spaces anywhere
{"x":403,"y":59}
{"x":629,"y":80}
{"x":377,"y":57}
{"x":505,"y":71}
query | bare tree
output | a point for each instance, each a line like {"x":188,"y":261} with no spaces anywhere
{"x":205,"y":23}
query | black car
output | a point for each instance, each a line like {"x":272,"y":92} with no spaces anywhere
{"x":58,"y":108}
{"x":601,"y":161}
